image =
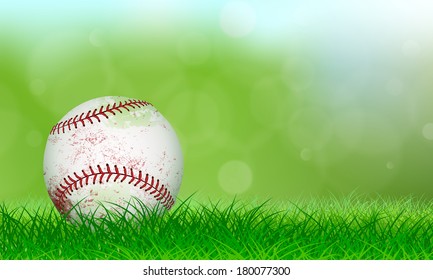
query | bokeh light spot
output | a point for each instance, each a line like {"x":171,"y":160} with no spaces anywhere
{"x":306,"y":154}
{"x":390,"y":165}
{"x":237,"y":19}
{"x":235,"y":177}
{"x":427,"y":131}
{"x":95,"y":38}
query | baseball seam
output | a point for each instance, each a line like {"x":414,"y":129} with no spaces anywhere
{"x":96,"y":115}
{"x":99,"y":175}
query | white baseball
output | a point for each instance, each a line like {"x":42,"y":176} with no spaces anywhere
{"x":109,"y":151}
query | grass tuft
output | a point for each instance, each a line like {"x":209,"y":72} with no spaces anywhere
{"x":332,"y":228}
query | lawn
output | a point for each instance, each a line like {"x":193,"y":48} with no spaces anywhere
{"x":325,"y":228}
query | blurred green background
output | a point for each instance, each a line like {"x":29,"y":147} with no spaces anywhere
{"x":269,"y":98}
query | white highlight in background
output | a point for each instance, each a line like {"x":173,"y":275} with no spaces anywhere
{"x":237,"y":19}
{"x":95,"y":38}
{"x":390,"y":165}
{"x":427,"y":131}
{"x":306,"y":154}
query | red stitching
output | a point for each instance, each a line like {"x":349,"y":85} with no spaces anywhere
{"x":95,"y":115}
{"x":159,"y":192}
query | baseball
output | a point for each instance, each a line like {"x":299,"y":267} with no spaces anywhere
{"x":108,"y":152}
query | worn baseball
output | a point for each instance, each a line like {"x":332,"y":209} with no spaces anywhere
{"x":110,"y":153}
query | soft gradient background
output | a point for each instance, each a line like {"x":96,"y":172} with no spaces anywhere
{"x":269,"y":98}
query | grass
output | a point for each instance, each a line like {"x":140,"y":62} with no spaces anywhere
{"x":348,"y":228}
